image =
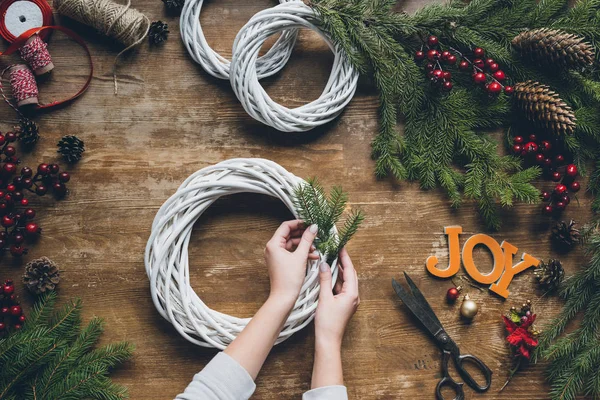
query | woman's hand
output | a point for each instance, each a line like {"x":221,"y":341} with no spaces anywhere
{"x":335,"y":311}
{"x":286,"y":255}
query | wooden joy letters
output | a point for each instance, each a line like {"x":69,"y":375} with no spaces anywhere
{"x":503,"y":271}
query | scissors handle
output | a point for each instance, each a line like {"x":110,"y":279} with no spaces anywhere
{"x":469,"y":380}
{"x":447,"y":381}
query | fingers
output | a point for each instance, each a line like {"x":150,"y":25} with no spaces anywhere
{"x":349,"y":274}
{"x":325,"y":280}
{"x":286,"y":228}
{"x":307,"y":240}
{"x":291,"y":244}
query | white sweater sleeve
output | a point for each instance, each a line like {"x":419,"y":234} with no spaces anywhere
{"x":222,"y":379}
{"x":327,"y":393}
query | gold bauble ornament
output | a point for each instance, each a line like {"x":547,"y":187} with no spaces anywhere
{"x":468,"y":308}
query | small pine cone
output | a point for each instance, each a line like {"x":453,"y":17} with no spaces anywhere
{"x":158,"y":32}
{"x":41,"y":275}
{"x":27,"y":131}
{"x":544,"y":107}
{"x":550,"y":275}
{"x":555,"y":47}
{"x":71,"y":148}
{"x":565,"y":235}
{"x":174,"y":5}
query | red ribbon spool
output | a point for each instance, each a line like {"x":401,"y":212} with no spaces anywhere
{"x":24,"y":16}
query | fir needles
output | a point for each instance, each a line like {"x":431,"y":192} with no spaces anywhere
{"x":54,"y":358}
{"x":315,"y":207}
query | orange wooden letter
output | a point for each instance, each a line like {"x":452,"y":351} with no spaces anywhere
{"x":454,"y":254}
{"x":527,"y":261}
{"x":495,"y":249}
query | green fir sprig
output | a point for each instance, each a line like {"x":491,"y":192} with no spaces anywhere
{"x":54,"y":358}
{"x":444,"y":142}
{"x":314,"y":207}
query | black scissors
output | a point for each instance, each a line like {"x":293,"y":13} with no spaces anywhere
{"x":419,"y":306}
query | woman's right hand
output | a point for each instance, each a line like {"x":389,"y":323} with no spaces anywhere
{"x":336,"y":307}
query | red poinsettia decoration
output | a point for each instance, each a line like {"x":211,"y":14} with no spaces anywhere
{"x":520,"y":337}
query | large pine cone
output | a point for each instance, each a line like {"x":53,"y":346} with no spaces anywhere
{"x":41,"y":275}
{"x":544,"y":107}
{"x":27,"y":132}
{"x":555,"y":47}
{"x":550,"y":275}
{"x":566,"y":235}
{"x":71,"y":148}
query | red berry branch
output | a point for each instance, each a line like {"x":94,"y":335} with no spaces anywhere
{"x":10,"y":310}
{"x":542,"y":153}
{"x":16,"y":217}
{"x":486,"y":72}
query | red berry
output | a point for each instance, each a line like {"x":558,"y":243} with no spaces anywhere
{"x":10,"y":168}
{"x":556,"y":176}
{"x":41,"y":190}
{"x":517,"y":149}
{"x":565,"y":199}
{"x":22,"y":319}
{"x":4,"y":311}
{"x":548,"y":210}
{"x":451,"y":59}
{"x":8,"y":289}
{"x":539,"y":158}
{"x":438,"y":73}
{"x":499,"y":75}
{"x":509,"y":90}
{"x":571,"y":170}
{"x":493,"y":67}
{"x":24,"y":202}
{"x":11,"y":136}
{"x":447,"y":86}
{"x":60,"y":189}
{"x":429,"y":67}
{"x":531,"y":147}
{"x":30,"y":213}
{"x":464,"y":64}
{"x":445,"y":54}
{"x":479,"y":77}
{"x":545,"y":146}
{"x":532,"y":138}
{"x":518,"y":140}
{"x":7,"y":221}
{"x":453,"y":294}
{"x":18,"y":326}
{"x":43,"y":169}
{"x":560,"y":206}
{"x":419,"y":55}
{"x":559,"y":159}
{"x":2,"y":326}
{"x":11,"y":188}
{"x":17,"y":251}
{"x":432,"y":40}
{"x":447,"y":75}
{"x":19,"y":238}
{"x":27,"y":183}
{"x":2,"y":140}
{"x":478,"y":52}
{"x":494,"y":88}
{"x":10,"y":151}
{"x":433,"y":55}
{"x":15,"y":311}
{"x":560,"y":189}
{"x":32,"y":228}
{"x":546,"y":196}
{"x":54,"y":168}
{"x":26,"y":172}
{"x":478,"y":62}
{"x":575,"y":187}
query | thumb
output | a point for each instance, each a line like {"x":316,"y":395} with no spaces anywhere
{"x":325,"y":280}
{"x":308,"y":237}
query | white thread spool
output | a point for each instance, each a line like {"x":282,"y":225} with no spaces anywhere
{"x":217,"y":65}
{"x":244,"y":75}
{"x":166,"y":256}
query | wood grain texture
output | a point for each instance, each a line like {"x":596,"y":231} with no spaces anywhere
{"x":171,"y":119}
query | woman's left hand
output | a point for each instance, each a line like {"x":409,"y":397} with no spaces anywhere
{"x":286,"y":255}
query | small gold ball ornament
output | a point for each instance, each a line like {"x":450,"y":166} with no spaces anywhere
{"x":468,"y":308}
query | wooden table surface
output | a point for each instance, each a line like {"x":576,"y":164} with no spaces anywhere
{"x":170,"y":119}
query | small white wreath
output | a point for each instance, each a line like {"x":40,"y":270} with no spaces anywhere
{"x":166,"y":257}
{"x":217,"y":65}
{"x":244,"y":72}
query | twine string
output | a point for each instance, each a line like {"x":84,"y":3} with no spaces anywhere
{"x":35,"y":53}
{"x":22,"y":82}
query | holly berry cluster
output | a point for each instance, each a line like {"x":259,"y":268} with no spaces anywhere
{"x":542,"y":152}
{"x":16,"y":216}
{"x":10,"y":310}
{"x":485,"y":72}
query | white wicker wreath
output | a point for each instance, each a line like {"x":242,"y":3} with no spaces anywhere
{"x":166,"y":257}
{"x":244,"y":72}
{"x":217,"y":65}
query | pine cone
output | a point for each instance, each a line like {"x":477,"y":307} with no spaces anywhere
{"x":544,"y":107}
{"x":550,"y":275}
{"x":565,"y":235}
{"x":158,"y":32}
{"x":71,"y":148}
{"x":555,"y":47}
{"x":174,"y":5}
{"x":27,"y":132}
{"x":41,"y":275}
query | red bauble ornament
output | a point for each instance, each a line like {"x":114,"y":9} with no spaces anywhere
{"x":419,"y":55}
{"x":453,"y":294}
{"x":494,"y":88}
{"x":509,"y":90}
{"x":478,"y":62}
{"x":560,"y":189}
{"x":499,"y":75}
{"x":433,"y":55}
{"x":478,"y":52}
{"x":571,"y":170}
{"x":531,"y":147}
{"x":479,"y":77}
{"x":464,"y":64}
{"x":575,"y":187}
{"x":556,"y":176}
{"x":432,"y":40}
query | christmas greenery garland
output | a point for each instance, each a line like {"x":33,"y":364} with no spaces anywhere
{"x":445,"y":142}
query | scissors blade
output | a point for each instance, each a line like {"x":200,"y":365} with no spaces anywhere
{"x":416,"y":308}
{"x":421,"y":299}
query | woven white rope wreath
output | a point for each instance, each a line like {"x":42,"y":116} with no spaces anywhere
{"x":217,"y":65}
{"x":244,"y":74}
{"x":166,"y":257}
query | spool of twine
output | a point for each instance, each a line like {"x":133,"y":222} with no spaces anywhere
{"x":23,"y":85}
{"x":35,"y":53}
{"x":121,"y":22}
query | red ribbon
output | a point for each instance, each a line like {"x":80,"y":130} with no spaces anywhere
{"x":20,"y":41}
{"x":42,"y":5}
